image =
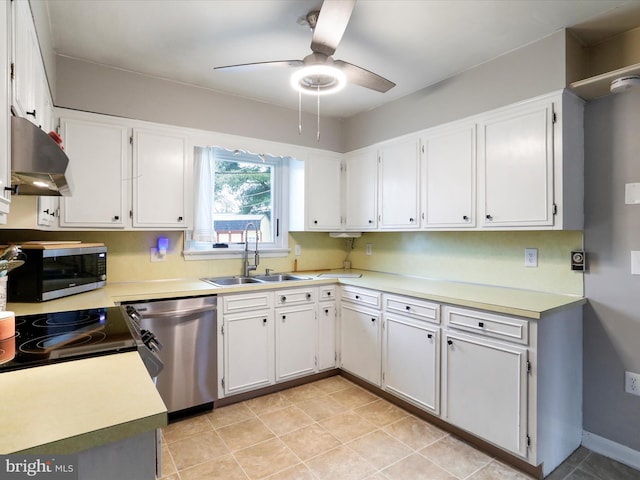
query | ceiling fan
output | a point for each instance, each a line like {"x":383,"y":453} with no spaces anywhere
{"x":321,"y":74}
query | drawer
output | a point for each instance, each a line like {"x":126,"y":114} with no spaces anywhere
{"x":326,"y":293}
{"x":247,"y":301}
{"x":295,"y":296}
{"x":412,"y":307}
{"x":361,"y":296}
{"x":488,"y":324}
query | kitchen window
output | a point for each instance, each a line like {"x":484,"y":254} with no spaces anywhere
{"x":238,"y":197}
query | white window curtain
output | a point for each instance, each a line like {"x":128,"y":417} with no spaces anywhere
{"x":204,"y":171}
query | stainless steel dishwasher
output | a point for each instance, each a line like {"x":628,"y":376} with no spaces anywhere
{"x":186,"y":327}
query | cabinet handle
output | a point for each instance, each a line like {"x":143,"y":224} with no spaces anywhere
{"x":411,"y":220}
{"x":450,"y":342}
{"x":465,"y":218}
{"x":488,"y":217}
{"x":32,"y":113}
{"x":370,"y":221}
{"x":326,"y":311}
{"x":283,"y":299}
{"x":116,"y":218}
{"x":373,"y":320}
{"x":315,"y":222}
{"x":407,"y":308}
{"x":284,"y":317}
{"x":264,"y":321}
{"x":357,"y":297}
{"x":481,"y":324}
{"x":431,"y":336}
{"x":308,"y":296}
{"x":179,"y":219}
{"x":328,"y":294}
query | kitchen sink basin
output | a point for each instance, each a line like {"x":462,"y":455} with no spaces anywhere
{"x":226,"y":281}
{"x":281,"y":277}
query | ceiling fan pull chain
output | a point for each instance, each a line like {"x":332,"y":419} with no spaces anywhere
{"x":299,"y":113}
{"x":318,"y":134}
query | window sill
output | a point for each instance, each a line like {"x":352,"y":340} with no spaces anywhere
{"x":222,"y":253}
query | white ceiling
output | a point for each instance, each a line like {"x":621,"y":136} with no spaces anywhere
{"x":414,"y":43}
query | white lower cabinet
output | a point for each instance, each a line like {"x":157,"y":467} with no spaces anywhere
{"x":484,"y":389}
{"x":248,"y":351}
{"x":296,"y":333}
{"x":360,"y":334}
{"x":245,"y":342}
{"x":411,"y":351}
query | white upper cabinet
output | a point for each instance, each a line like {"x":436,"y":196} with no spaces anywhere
{"x":159,"y":161}
{"x":315,"y":191}
{"x":361,"y":190}
{"x":25,"y":53}
{"x":516,"y":166}
{"x":5,"y":117}
{"x":448,"y":176}
{"x":531,"y":165}
{"x":399,"y":174}
{"x":98,"y":165}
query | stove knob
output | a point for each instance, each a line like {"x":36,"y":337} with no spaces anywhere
{"x":151,"y":341}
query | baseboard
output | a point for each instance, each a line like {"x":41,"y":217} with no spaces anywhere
{"x":611,"y":449}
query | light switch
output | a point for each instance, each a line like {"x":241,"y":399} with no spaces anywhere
{"x":632,"y":193}
{"x":635,"y":262}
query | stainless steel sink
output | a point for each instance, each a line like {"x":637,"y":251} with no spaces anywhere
{"x":281,"y":277}
{"x":226,"y":281}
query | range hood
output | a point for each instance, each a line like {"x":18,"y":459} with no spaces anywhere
{"x":38,"y":164}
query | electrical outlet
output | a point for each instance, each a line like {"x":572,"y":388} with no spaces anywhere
{"x":530,"y":257}
{"x":632,"y":383}
{"x":297,"y":250}
{"x":156,"y":257}
{"x":369,"y":249}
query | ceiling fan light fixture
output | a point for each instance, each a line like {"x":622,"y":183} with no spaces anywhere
{"x":318,"y":80}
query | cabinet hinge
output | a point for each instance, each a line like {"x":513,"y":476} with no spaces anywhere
{"x":13,"y":68}
{"x":222,"y":382}
{"x":528,"y":441}
{"x":222,"y":330}
{"x":422,"y":148}
{"x":383,"y":376}
{"x":528,"y":367}
{"x":315,"y":361}
{"x":554,"y":117}
{"x":130,"y":213}
{"x":335,"y":357}
{"x":131,"y":140}
{"x":555,"y":209}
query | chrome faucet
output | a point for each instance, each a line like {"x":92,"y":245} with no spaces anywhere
{"x":256,"y":255}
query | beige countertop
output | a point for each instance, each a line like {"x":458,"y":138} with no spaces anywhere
{"x":72,"y":406}
{"x":512,"y":301}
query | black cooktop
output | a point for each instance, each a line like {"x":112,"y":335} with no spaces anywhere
{"x":55,"y":337}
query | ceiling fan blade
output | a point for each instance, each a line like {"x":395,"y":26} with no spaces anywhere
{"x":256,"y":65}
{"x":332,"y":22}
{"x":363,"y":77}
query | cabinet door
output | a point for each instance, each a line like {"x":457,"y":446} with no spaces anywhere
{"x":399,"y":175}
{"x":516,"y":167}
{"x":361,"y":191}
{"x":25,"y":54}
{"x":248,"y":351}
{"x":326,"y":335}
{"x":98,"y":162}
{"x":296,"y":342}
{"x":323,"y":176}
{"x":360,"y":342}
{"x":411,"y":366}
{"x":159,"y":162}
{"x":449,"y":177}
{"x":5,"y":117}
{"x":485,"y":389}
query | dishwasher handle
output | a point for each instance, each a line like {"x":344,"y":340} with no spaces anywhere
{"x":174,"y":313}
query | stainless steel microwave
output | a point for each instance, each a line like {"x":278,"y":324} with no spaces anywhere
{"x":53,"y":271}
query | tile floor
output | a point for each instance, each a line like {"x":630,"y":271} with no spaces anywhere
{"x":333,"y":429}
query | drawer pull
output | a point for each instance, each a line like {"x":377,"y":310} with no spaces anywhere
{"x":450,"y":342}
{"x":284,"y":317}
{"x":283,"y":299}
{"x":407,"y":308}
{"x":326,"y":311}
{"x":481,"y":324}
{"x":328,"y":294}
{"x":357,"y":297}
{"x":373,"y":320}
{"x":431,"y":336}
{"x":264,"y":321}
{"x":308,"y":296}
